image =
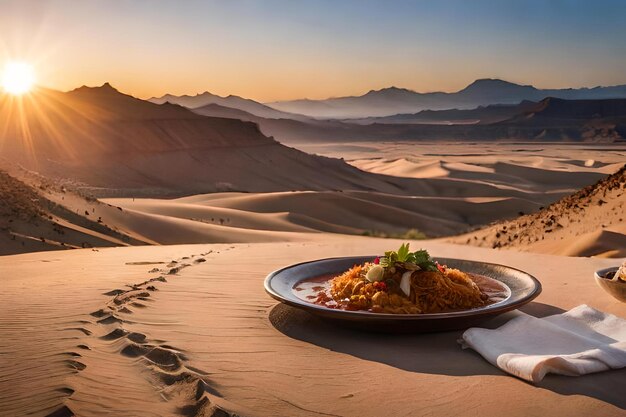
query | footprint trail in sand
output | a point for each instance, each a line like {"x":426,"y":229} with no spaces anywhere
{"x":110,"y":341}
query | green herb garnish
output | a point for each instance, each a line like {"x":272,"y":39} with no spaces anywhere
{"x":420,"y":258}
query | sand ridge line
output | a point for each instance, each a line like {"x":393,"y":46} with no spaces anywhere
{"x":174,"y":379}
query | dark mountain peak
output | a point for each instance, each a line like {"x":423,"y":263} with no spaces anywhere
{"x":494,"y":84}
{"x":105,"y":88}
{"x":394,"y":89}
{"x":390,"y":92}
{"x":169,"y":104}
{"x":205,"y":94}
{"x":482,"y":82}
{"x":108,"y":87}
{"x":172,"y":97}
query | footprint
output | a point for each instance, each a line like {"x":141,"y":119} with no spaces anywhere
{"x":175,"y":378}
{"x":163,"y":358}
{"x":115,"y":334}
{"x":114,"y":292}
{"x":134,"y":351}
{"x":65,"y":390}
{"x":136,"y":337}
{"x":100,"y":313}
{"x":126,"y":296}
{"x":79,"y":366}
{"x":80,"y":329}
{"x":110,"y":320}
{"x":62,"y":412}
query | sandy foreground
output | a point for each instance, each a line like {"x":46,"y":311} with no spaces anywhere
{"x":188,"y":329}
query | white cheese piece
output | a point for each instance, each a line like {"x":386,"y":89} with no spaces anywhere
{"x":375,"y":273}
{"x":405,"y":283}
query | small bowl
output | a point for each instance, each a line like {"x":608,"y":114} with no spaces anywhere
{"x":616,"y":288}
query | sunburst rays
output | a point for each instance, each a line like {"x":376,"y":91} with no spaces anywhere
{"x":49,"y":126}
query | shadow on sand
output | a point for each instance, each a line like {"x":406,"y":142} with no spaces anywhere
{"x":436,"y":353}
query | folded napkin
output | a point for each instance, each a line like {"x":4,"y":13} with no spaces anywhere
{"x":580,"y":341}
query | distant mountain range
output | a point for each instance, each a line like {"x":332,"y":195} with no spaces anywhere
{"x":568,"y":109}
{"x":482,"y":114}
{"x":236,"y":102}
{"x":551,"y":119}
{"x":113,"y":144}
{"x":393,"y":100}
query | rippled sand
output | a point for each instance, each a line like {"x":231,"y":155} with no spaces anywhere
{"x":188,"y":330}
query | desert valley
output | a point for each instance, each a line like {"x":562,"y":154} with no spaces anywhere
{"x":137,"y":229}
{"x":99,"y":167}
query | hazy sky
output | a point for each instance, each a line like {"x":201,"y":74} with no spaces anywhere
{"x":269,"y":50}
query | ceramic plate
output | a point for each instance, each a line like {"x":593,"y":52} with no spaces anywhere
{"x":520,"y":288}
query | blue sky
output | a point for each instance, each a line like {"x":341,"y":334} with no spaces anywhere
{"x":274,"y":49}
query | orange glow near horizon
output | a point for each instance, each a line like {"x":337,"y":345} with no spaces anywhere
{"x":280,"y":50}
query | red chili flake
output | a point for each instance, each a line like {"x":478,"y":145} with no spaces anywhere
{"x":441,"y":268}
{"x":377,"y":260}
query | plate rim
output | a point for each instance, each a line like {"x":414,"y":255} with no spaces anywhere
{"x":346,"y":314}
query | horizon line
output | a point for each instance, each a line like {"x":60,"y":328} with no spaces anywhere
{"x":344,"y":96}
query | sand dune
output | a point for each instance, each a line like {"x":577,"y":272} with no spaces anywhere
{"x":403,"y":167}
{"x":337,"y":212}
{"x":531,"y":173}
{"x":171,"y":229}
{"x":458,"y":191}
{"x":606,"y":243}
{"x":509,"y":175}
{"x":590,"y":222}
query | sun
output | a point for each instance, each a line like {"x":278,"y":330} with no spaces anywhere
{"x":18,"y":78}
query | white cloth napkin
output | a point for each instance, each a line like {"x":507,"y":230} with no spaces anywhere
{"x":577,"y":342}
